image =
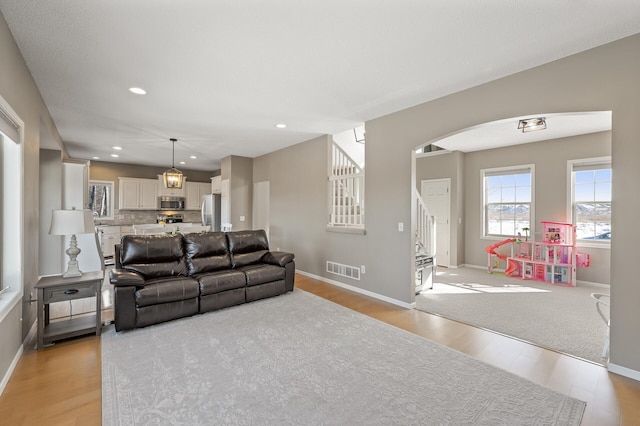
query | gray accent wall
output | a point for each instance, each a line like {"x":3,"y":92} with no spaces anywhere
{"x":551,"y":186}
{"x":551,"y":192}
{"x":241,"y":192}
{"x":50,"y":247}
{"x":18,"y":88}
{"x":442,"y":165}
{"x":600,"y":79}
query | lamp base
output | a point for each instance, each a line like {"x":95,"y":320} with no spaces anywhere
{"x":72,"y":270}
{"x":72,"y":267}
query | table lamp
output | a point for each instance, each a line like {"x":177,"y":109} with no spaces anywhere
{"x":72,"y":222}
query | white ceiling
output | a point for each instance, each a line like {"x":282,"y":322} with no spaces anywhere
{"x":221,"y":74}
{"x":497,"y":134}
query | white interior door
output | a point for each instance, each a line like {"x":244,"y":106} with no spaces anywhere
{"x":261,"y":206}
{"x":435,"y":193}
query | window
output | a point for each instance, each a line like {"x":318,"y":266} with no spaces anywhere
{"x":590,"y":204}
{"x":507,"y":200}
{"x":101,"y":198}
{"x":11,"y":187}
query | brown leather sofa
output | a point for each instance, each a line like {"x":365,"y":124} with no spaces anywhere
{"x":163,"y":277}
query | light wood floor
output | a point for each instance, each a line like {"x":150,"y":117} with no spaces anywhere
{"x":61,"y":385}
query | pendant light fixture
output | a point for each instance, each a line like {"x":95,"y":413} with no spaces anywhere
{"x":173,"y":177}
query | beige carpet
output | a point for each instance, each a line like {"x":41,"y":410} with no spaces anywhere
{"x":563,"y":319}
{"x":298,"y":359}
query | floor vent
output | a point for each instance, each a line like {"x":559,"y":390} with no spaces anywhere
{"x":343,"y":270}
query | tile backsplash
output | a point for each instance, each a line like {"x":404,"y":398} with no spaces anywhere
{"x":138,"y":217}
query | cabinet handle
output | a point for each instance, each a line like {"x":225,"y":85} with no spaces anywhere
{"x":71,"y":291}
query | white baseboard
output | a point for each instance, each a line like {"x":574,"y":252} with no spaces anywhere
{"x":578,"y":282}
{"x":591,"y":284}
{"x":12,"y":367}
{"x":31,"y":336}
{"x":624,"y":371}
{"x":358,"y":290}
{"x":466,"y":265}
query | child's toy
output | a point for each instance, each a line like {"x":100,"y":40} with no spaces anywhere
{"x":491,"y":251}
{"x":553,"y":260}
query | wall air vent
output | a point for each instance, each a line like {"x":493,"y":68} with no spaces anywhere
{"x":343,"y":270}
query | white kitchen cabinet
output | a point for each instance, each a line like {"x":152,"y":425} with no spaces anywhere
{"x":195,"y":190}
{"x":75,"y":177}
{"x":216,"y":185}
{"x":137,"y":194}
{"x":171,"y":192}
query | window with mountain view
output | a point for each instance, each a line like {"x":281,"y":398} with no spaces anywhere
{"x":591,"y":199}
{"x":507,"y":200}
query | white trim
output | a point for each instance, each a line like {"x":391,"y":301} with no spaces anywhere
{"x":12,"y":295}
{"x":624,"y":371}
{"x":468,"y":265}
{"x":592,"y":284}
{"x":8,"y":300}
{"x":571,"y":196}
{"x":14,"y":363}
{"x":358,"y":290}
{"x":346,"y":230}
{"x":31,"y":337}
{"x":532,"y":210}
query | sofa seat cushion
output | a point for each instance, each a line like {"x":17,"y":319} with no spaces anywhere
{"x":154,"y":314}
{"x":215,"y":282}
{"x":168,"y":289}
{"x":261,"y":273}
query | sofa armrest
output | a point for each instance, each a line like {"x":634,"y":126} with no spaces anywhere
{"x":122,"y":277}
{"x":279,"y":258}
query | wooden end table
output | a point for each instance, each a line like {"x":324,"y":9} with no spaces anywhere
{"x":59,"y":289}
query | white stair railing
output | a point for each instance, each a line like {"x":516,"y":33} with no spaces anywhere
{"x":346,"y":189}
{"x":425,"y":229}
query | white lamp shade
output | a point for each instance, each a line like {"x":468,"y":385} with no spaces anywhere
{"x":71,"y":222}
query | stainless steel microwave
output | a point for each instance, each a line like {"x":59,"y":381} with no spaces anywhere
{"x":170,"y":203}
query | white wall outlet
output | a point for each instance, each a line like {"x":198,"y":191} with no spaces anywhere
{"x":400,"y":227}
{"x":363,"y":269}
{"x":242,"y":218}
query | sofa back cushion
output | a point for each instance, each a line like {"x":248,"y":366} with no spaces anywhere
{"x":206,"y":252}
{"x":247,"y":247}
{"x":153,"y":256}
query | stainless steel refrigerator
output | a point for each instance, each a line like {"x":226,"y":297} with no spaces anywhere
{"x":210,"y":211}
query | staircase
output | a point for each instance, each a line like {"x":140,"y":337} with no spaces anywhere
{"x":346,"y":188}
{"x":425,"y":229}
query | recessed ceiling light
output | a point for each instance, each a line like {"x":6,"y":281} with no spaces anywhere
{"x":137,"y":91}
{"x":281,"y":125}
{"x":193,"y":157}
{"x":95,"y":158}
{"x":115,"y":155}
{"x":117,"y":148}
{"x":181,"y":162}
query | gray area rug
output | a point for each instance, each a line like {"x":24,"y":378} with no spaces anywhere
{"x":298,"y":359}
{"x":563,"y":319}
